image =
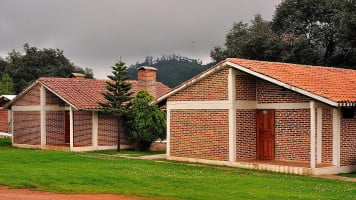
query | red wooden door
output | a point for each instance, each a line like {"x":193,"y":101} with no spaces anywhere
{"x":265,"y":134}
{"x":66,"y":127}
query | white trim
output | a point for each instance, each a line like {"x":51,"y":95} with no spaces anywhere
{"x":239,"y":104}
{"x":38,"y":108}
{"x":283,"y":106}
{"x":27,"y":146}
{"x":280,"y":83}
{"x":71,"y":129}
{"x":26,"y":108}
{"x":312,"y":135}
{"x":319,"y":127}
{"x":43,"y":115}
{"x":198,"y":104}
{"x":168,"y":150}
{"x":12,"y":128}
{"x":95,"y":129}
{"x":336,"y":136}
{"x":232,"y":114}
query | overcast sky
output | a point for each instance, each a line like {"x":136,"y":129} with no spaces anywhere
{"x":95,"y":33}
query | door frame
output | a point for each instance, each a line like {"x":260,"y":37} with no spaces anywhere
{"x":258,"y":139}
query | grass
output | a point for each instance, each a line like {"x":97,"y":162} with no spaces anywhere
{"x":131,"y":153}
{"x":68,"y":172}
{"x":352,"y":175}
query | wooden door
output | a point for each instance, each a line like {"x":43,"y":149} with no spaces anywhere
{"x":66,"y":127}
{"x":265,"y":134}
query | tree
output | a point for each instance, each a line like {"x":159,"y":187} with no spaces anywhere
{"x":326,"y":26}
{"x":118,"y":94}
{"x":315,"y":32}
{"x":34,"y":63}
{"x":145,"y":123}
{"x":255,"y":41}
{"x":6,"y":85}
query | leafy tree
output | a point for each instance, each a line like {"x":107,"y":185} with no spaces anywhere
{"x":34,"y":63}
{"x":145,"y":123}
{"x":6,"y":85}
{"x":118,"y":93}
{"x":316,"y":32}
{"x":255,"y":41}
{"x":319,"y":23}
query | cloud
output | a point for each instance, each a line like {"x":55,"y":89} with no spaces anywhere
{"x":96,"y":33}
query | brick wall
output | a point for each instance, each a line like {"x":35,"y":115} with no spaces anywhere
{"x":245,"y":87}
{"x":52,"y":99}
{"x":200,"y":134}
{"x":108,"y":128}
{"x":271,"y":93}
{"x":348,"y":141}
{"x":327,"y":136}
{"x":292,"y":135}
{"x":55,"y":127}
{"x":82,"y":125}
{"x":212,"y":88}
{"x":31,"y":98}
{"x":245,"y":134}
{"x":27,"y":129}
{"x":4,"y":120}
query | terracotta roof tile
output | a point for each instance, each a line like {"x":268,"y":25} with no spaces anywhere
{"x":85,"y":93}
{"x":335,"y":84}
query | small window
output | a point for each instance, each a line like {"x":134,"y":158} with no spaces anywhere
{"x":348,"y":113}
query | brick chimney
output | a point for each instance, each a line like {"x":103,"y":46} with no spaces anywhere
{"x":146,"y":77}
{"x":77,"y":76}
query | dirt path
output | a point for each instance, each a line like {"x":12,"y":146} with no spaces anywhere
{"x":26,"y":194}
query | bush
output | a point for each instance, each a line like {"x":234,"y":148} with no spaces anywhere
{"x":145,"y":123}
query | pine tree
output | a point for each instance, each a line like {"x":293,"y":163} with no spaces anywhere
{"x":6,"y":85}
{"x":145,"y":122}
{"x":118,"y":93}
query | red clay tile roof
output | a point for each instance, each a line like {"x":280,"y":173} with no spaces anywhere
{"x":335,"y":84}
{"x":85,"y":93}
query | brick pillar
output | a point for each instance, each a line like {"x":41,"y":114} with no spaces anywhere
{"x":146,"y":77}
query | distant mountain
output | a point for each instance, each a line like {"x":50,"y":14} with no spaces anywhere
{"x":172,"y":70}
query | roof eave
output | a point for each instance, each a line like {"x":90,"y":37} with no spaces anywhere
{"x":280,"y":83}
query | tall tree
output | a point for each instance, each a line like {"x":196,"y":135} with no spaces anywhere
{"x":145,"y":123}
{"x":316,"y":32}
{"x":326,"y":26}
{"x":33,"y":63}
{"x":6,"y":85}
{"x":118,"y":94}
{"x":255,"y":41}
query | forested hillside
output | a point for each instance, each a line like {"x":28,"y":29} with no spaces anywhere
{"x":172,"y":70}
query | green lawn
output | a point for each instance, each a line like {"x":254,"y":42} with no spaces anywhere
{"x":352,"y":175}
{"x":67,"y":172}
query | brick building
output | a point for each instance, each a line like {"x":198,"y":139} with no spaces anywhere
{"x":265,"y":115}
{"x":4,"y":113}
{"x":63,"y":114}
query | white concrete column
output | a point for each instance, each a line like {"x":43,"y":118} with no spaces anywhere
{"x":336,"y":136}
{"x":95,"y":130}
{"x":312,"y":134}
{"x":168,"y":138}
{"x":319,"y":127}
{"x":43,"y":115}
{"x":71,"y":130}
{"x":232,"y":114}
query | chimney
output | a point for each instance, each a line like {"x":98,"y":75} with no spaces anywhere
{"x":77,"y":76}
{"x":146,"y":77}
